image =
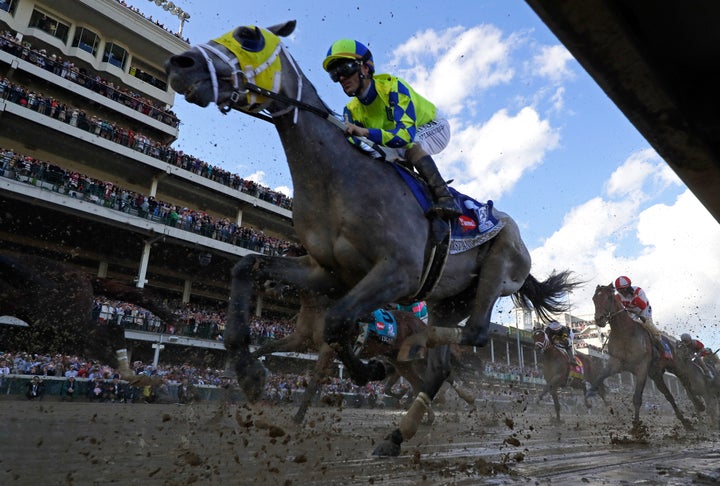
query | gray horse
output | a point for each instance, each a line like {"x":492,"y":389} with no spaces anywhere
{"x":367,"y":238}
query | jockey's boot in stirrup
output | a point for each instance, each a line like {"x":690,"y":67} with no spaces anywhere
{"x":445,"y":206}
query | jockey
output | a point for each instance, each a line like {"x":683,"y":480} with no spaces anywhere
{"x":637,"y":303}
{"x":561,"y":336}
{"x":386,"y":110}
{"x":700,"y":351}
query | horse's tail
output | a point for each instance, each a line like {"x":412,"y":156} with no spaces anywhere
{"x":545,"y":297}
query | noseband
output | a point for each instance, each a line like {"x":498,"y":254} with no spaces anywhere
{"x":243,"y":82}
{"x":542,"y":345}
{"x":609,"y":314}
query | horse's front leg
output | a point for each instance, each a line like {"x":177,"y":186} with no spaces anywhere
{"x":246,"y":274}
{"x":383,"y":284}
{"x":613,"y":367}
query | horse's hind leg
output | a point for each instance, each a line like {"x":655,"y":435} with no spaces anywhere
{"x":660,"y":384}
{"x":320,"y":374}
{"x":436,"y":372}
{"x":556,"y":403}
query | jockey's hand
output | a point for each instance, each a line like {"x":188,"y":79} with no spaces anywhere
{"x":354,"y":130}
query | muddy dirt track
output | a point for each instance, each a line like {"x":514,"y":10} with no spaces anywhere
{"x":81,"y":443}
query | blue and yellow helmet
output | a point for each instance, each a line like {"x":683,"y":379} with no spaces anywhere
{"x":349,"y":49}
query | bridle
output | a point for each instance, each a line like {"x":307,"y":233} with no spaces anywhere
{"x":545,"y":343}
{"x":243,"y":83}
{"x":609,"y":314}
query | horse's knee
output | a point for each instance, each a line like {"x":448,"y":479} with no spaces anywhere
{"x":475,"y":335}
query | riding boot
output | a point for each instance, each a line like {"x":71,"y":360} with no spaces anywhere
{"x":445,"y":206}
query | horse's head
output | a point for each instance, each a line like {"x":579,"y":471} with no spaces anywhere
{"x":221,"y":70}
{"x":540,"y":338}
{"x":606,"y":305}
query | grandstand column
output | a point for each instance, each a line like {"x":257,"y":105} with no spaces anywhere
{"x":142,"y":271}
{"x":102,"y":269}
{"x":186,"y":291}
{"x":153,"y":186}
{"x":157,"y":347}
{"x":144,"y":260}
{"x":258,"y":306}
{"x":239,"y":218}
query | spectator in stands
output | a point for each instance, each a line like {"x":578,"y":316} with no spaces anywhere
{"x":4,"y":368}
{"x":115,"y":391}
{"x":96,"y":389}
{"x":35,"y":389}
{"x":4,"y":371}
{"x":185,"y":391}
{"x":69,"y":389}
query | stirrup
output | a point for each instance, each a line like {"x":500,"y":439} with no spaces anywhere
{"x":445,"y":210}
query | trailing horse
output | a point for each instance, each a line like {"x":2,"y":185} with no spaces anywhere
{"x":56,"y":301}
{"x":367,"y":238}
{"x":307,"y":338}
{"x":630,"y":349}
{"x":698,"y":382}
{"x":560,"y":372}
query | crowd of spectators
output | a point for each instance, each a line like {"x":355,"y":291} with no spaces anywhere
{"x":77,"y":117}
{"x":73,"y":184}
{"x":150,"y":19}
{"x":104,"y":381}
{"x":192,"y":321}
{"x":92,"y":81}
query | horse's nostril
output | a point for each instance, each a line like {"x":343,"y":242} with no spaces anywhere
{"x":181,"y":61}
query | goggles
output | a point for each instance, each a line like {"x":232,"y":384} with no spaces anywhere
{"x":343,"y":69}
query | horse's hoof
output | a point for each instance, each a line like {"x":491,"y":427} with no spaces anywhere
{"x":252,"y":380}
{"x":413,"y":348}
{"x":299,"y":417}
{"x":390,"y":446}
{"x":379,"y":369}
{"x":429,"y":418}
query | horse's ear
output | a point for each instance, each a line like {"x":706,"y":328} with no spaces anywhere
{"x":283,"y":30}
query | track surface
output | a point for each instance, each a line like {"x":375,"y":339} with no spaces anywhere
{"x":58,"y":443}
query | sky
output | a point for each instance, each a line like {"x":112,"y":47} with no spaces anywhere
{"x":531,"y":131}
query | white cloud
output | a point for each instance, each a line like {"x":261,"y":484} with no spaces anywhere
{"x":552,"y":63}
{"x":284,"y":190}
{"x":256,"y":177}
{"x":674,"y":248}
{"x":628,"y":179}
{"x":452,"y":66}
{"x":492,"y":157}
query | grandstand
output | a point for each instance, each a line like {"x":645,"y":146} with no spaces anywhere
{"x":82,"y":58}
{"x":89,"y":175}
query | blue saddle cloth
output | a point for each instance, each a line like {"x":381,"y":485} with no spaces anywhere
{"x":477,"y":224}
